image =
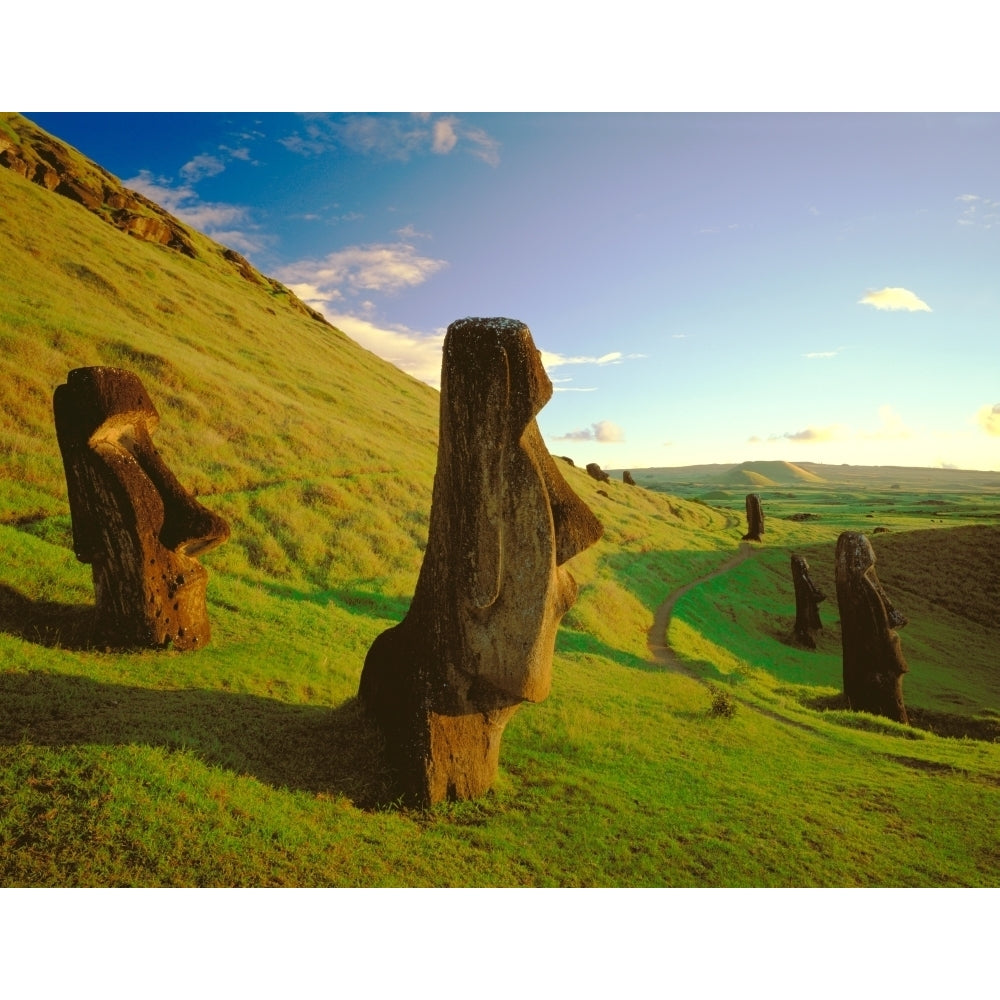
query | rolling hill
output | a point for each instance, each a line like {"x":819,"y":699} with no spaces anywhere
{"x":249,"y":762}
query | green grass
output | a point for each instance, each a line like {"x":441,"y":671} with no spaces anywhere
{"x":250,"y":762}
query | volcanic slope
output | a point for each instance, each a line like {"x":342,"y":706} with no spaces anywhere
{"x":249,"y":762}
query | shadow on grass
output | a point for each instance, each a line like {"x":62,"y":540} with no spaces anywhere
{"x":46,"y":623}
{"x":569,"y":642}
{"x":336,"y":751}
{"x":368,"y":603}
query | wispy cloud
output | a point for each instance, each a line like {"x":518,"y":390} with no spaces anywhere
{"x":891,"y":427}
{"x":392,"y":137}
{"x":988,"y":417}
{"x":604,"y":432}
{"x":201,"y":166}
{"x":809,"y":435}
{"x":376,"y":267}
{"x":983,"y":213}
{"x":552,"y":360}
{"x":228,"y":224}
{"x":822,"y":354}
{"x":894,"y":299}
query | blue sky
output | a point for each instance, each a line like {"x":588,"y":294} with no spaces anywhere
{"x":704,"y":287}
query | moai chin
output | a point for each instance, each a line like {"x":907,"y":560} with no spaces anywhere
{"x":873,"y":658}
{"x":755,"y":519}
{"x":479,"y":635}
{"x":807,"y":598}
{"x":132,"y":520}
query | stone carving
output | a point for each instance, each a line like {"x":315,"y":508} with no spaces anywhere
{"x":480,"y":632}
{"x":627,"y":478}
{"x":755,"y":519}
{"x":873,"y":659}
{"x":132,"y":520}
{"x":596,"y":472}
{"x":807,"y":598}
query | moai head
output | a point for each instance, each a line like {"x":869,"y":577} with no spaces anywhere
{"x":480,"y":633}
{"x":873,"y":659}
{"x":132,"y":520}
{"x":807,"y":598}
{"x":755,"y":519}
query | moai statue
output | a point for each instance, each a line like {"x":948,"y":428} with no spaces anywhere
{"x":479,"y":635}
{"x":873,"y":659}
{"x":132,"y":520}
{"x":807,"y":599}
{"x":596,"y":472}
{"x":755,"y":519}
{"x":627,"y":478}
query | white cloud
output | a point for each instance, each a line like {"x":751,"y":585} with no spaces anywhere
{"x":418,"y":354}
{"x":894,"y":299}
{"x":984,"y":213}
{"x":822,"y":354}
{"x":809,"y":435}
{"x":201,"y":166}
{"x":552,"y":360}
{"x":228,"y":224}
{"x":988,"y":417}
{"x":392,"y":137}
{"x":604,"y":432}
{"x":379,"y":267}
{"x":444,"y":137}
{"x":891,"y":427}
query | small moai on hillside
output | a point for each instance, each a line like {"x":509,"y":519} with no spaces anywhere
{"x":479,"y":636}
{"x":755,"y":519}
{"x":873,"y":658}
{"x":135,"y":524}
{"x":596,"y":472}
{"x":627,"y":478}
{"x":807,"y":599}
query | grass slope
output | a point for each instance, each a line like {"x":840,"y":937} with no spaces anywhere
{"x":249,"y":762}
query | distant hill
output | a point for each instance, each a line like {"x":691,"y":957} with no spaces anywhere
{"x":805,"y":474}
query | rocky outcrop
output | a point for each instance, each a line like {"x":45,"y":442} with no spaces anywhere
{"x":873,"y":658}
{"x":478,"y":638}
{"x":135,"y":524}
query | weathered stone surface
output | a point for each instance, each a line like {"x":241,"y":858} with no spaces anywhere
{"x":627,"y":478}
{"x":755,"y":519}
{"x":479,"y":636}
{"x":596,"y":472}
{"x":807,"y":598}
{"x":132,"y":520}
{"x":873,"y":658}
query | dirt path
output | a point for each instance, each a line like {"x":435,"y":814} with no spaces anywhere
{"x":656,"y":639}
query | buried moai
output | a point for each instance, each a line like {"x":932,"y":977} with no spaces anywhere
{"x":627,"y":478}
{"x":596,"y":472}
{"x":873,"y":659}
{"x":132,"y":520}
{"x":479,"y":635}
{"x":807,"y":598}
{"x":755,"y":519}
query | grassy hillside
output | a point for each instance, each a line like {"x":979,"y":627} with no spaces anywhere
{"x":250,"y":763}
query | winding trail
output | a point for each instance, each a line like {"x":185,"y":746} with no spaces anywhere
{"x":656,"y":638}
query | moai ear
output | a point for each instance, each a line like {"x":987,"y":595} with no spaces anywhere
{"x":475,"y":436}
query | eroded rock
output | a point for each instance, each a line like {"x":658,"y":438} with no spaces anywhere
{"x":135,"y":524}
{"x":479,"y":636}
{"x":873,"y":658}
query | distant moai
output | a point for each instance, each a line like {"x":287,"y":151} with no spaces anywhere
{"x":627,"y":478}
{"x":596,"y":472}
{"x":132,"y":520}
{"x":873,"y":658}
{"x":807,"y":598}
{"x":755,"y":519}
{"x":479,"y":635}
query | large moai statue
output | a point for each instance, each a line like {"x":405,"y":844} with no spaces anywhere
{"x":132,"y":520}
{"x":479,"y":635}
{"x":807,"y":598}
{"x":755,"y":519}
{"x":873,"y":659}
